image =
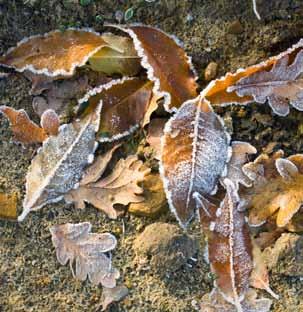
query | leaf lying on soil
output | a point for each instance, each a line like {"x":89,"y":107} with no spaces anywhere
{"x":54,"y":53}
{"x":124,"y":104}
{"x":110,"y":295}
{"x":8,"y":206}
{"x":220,"y":92}
{"x":110,"y":61}
{"x":75,"y":243}
{"x":229,"y":248}
{"x":281,"y":85}
{"x":277,"y":188}
{"x":120,"y":187}
{"x":166,"y":63}
{"x":58,"y":166}
{"x":195,"y":151}
{"x":25,"y":131}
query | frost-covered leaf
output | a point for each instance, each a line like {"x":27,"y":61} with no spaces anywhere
{"x":215,"y":302}
{"x":54,"y":53}
{"x":86,"y":251}
{"x":217,"y":91}
{"x":240,"y":152}
{"x":154,"y":135}
{"x":166,"y":63}
{"x":25,"y":131}
{"x":8,"y":206}
{"x":281,"y":86}
{"x":229,"y":249}
{"x":58,"y":166}
{"x":195,"y":151}
{"x":110,"y":295}
{"x":277,"y":188}
{"x":50,"y":122}
{"x":110,"y":61}
{"x":124,"y":104}
{"x":120,"y":187}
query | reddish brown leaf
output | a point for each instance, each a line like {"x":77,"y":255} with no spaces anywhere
{"x":166,"y":63}
{"x":195,"y":151}
{"x":25,"y":131}
{"x":154,"y":135}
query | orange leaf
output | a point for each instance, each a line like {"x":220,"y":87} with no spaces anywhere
{"x":8,"y":206}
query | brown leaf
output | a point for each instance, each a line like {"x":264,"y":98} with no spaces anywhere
{"x":50,"y":122}
{"x":217,"y":91}
{"x":230,"y":249}
{"x":76,"y":243}
{"x":110,"y":295}
{"x":154,"y":135}
{"x":119,"y":58}
{"x":166,"y":63}
{"x":25,"y":131}
{"x":120,"y":187}
{"x":55,"y":53}
{"x":124,"y":104}
{"x":59,"y":164}
{"x":195,"y":151}
{"x":152,"y":107}
{"x":8,"y":206}
{"x":277,"y":188}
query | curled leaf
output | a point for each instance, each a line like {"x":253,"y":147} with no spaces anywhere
{"x":75,"y":243}
{"x":166,"y":63}
{"x":124,"y":104}
{"x":195,"y":151}
{"x":58,"y":166}
{"x":25,"y":131}
{"x":54,"y":53}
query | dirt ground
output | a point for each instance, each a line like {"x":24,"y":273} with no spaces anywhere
{"x":31,"y":279}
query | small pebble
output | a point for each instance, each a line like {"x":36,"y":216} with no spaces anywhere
{"x":211,"y":71}
{"x":235,"y":28}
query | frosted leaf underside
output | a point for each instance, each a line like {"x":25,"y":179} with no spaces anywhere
{"x":195,"y":150}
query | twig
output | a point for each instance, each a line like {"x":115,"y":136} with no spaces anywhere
{"x":256,"y":10}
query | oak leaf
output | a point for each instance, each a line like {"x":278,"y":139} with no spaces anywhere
{"x":75,"y":243}
{"x":166,"y":63}
{"x":119,"y":187}
{"x":124,"y":104}
{"x":277,"y":188}
{"x":58,"y":166}
{"x":195,"y":151}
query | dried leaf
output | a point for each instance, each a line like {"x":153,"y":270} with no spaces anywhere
{"x":195,"y":151}
{"x":277,"y":188}
{"x":25,"y":131}
{"x":8,"y":206}
{"x":110,"y":61}
{"x":152,"y":107}
{"x":58,"y":166}
{"x":120,"y":187}
{"x":76,"y":243}
{"x":110,"y":295}
{"x":230,"y":249}
{"x":166,"y":63}
{"x":215,"y":302}
{"x":281,"y":85}
{"x":217,"y":91}
{"x":55,"y":53}
{"x":124,"y":104}
{"x":50,"y":122}
{"x":154,"y":135}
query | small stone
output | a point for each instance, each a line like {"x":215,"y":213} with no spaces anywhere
{"x":154,"y":198}
{"x":164,"y":247}
{"x":235,"y":28}
{"x":210,"y":71}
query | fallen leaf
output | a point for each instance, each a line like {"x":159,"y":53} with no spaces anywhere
{"x":217,"y":91}
{"x":8,"y":206}
{"x":124,"y":104}
{"x":25,"y":131}
{"x":119,"y":187}
{"x":166,"y":63}
{"x":75,"y":243}
{"x":50,"y":122}
{"x":58,"y":166}
{"x":195,"y":151}
{"x":110,"y":295}
{"x":154,"y":135}
{"x":281,"y":85}
{"x":215,"y":302}
{"x":110,"y":61}
{"x":152,"y":107}
{"x":229,"y":249}
{"x":277,"y":188}
{"x":56,"y":53}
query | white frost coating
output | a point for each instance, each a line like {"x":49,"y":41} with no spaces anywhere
{"x":145,"y":64}
{"x":60,"y":72}
{"x":120,"y":135}
{"x":90,"y":158}
{"x":212,"y":226}
{"x":286,"y":168}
